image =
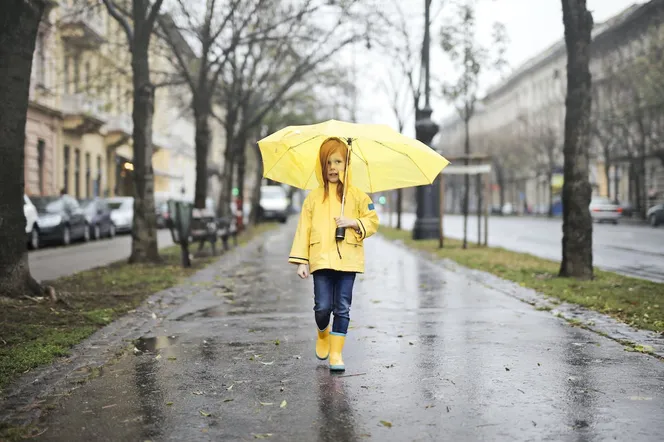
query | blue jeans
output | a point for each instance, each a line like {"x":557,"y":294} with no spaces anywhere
{"x":333,"y":292}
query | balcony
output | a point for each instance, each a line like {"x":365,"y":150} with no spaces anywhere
{"x":82,"y":26}
{"x":82,"y":113}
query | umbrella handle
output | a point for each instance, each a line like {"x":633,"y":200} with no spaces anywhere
{"x":340,"y":232}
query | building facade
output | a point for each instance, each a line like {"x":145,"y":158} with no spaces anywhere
{"x":520,"y":123}
{"x":79,"y":126}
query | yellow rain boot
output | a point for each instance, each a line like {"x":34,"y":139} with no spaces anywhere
{"x":323,"y":343}
{"x":337,"y":341}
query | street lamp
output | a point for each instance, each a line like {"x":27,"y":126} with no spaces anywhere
{"x":427,"y":223}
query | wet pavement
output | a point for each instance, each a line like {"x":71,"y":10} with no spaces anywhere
{"x":631,"y":249}
{"x":431,"y":355}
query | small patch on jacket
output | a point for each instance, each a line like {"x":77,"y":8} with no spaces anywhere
{"x":371,"y":206}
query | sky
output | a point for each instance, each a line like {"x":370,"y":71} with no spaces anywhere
{"x":532,"y":26}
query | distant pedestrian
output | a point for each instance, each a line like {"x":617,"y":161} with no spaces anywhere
{"x":333,"y":263}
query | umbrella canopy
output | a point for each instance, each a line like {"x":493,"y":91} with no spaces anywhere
{"x":381,"y":158}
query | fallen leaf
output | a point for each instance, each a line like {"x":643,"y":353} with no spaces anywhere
{"x":262,"y":436}
{"x":430,"y":406}
{"x":386,"y":424}
{"x":230,"y":388}
{"x":157,"y":357}
{"x":172,"y":358}
{"x":203,"y":413}
{"x":228,"y":400}
{"x":197,"y":393}
{"x":169,"y":403}
{"x":283,"y":404}
{"x":266,"y":363}
{"x":276,"y":342}
{"x":265,"y":404}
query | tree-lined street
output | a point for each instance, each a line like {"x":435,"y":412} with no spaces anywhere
{"x":634,"y":250}
{"x":430,"y":352}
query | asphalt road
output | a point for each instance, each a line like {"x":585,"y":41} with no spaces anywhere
{"x":634,"y":250}
{"x":53,"y":262}
{"x":431,"y":355}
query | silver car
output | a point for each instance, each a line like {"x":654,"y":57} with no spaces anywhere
{"x":603,"y":209}
{"x":122,"y":212}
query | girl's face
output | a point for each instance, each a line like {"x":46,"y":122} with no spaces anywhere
{"x":335,"y":167}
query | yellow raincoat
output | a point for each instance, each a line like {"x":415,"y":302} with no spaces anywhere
{"x":314,"y":241}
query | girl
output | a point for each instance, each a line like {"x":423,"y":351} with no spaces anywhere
{"x":332,"y":263}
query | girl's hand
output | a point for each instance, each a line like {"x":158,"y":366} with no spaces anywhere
{"x":346,"y":222}
{"x":303,"y":271}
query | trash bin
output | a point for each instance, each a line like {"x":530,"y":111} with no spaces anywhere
{"x":179,"y":223}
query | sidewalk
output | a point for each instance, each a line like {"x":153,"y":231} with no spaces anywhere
{"x":432,"y":354}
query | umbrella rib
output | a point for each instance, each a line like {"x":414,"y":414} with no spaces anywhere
{"x":288,"y":150}
{"x":408,"y":156}
{"x":357,"y":143}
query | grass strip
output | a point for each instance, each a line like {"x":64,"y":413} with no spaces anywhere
{"x":34,"y":334}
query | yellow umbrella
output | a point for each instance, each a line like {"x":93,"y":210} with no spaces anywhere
{"x":381,"y":158}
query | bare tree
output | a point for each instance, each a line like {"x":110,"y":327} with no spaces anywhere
{"x":278,"y":65}
{"x":470,"y":57}
{"x":19,"y":23}
{"x":577,"y":253}
{"x":138,"y":28}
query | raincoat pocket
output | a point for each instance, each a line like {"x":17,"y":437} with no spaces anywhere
{"x":352,"y":240}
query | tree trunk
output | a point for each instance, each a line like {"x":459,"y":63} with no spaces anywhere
{"x":227,"y":178}
{"x":607,"y":177}
{"x":466,"y":182}
{"x":577,"y":253}
{"x":399,"y":207}
{"x":256,"y":194}
{"x":19,"y":22}
{"x":144,"y":227}
{"x":549,"y":178}
{"x":202,"y":140}
{"x":241,"y":164}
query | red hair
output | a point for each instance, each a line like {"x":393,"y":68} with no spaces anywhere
{"x":329,"y":147}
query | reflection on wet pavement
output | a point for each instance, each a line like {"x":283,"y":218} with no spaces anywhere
{"x":430,"y":355}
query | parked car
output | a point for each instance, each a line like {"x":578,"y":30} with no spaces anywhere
{"x":273,"y":204}
{"x":122,"y":212}
{"x":60,"y":219}
{"x":655,"y":215}
{"x":603,"y":209}
{"x":31,"y":229}
{"x":98,"y":215}
{"x":161,"y":210}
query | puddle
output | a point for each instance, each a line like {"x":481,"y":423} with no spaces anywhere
{"x":155,"y":343}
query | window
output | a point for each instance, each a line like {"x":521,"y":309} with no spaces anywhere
{"x":88,"y":176}
{"x":65,"y":70}
{"x":87,"y":77}
{"x":77,"y":173}
{"x":77,"y":71}
{"x":98,"y":181}
{"x":41,"y":147}
{"x":40,"y":61}
{"x":66,"y":170}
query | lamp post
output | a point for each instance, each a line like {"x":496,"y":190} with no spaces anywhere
{"x":427,"y":223}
